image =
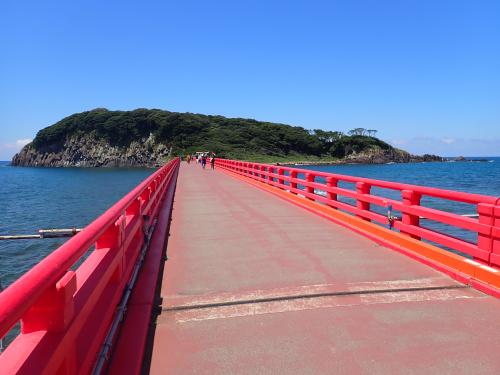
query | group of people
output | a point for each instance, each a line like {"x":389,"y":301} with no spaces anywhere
{"x":202,"y":158}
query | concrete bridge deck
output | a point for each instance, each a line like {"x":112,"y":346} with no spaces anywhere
{"x":256,"y":285}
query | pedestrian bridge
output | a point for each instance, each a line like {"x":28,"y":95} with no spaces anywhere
{"x":263,"y":269}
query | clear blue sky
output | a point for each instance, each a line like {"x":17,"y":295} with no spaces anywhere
{"x":426,"y":74}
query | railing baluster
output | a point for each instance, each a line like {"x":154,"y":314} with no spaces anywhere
{"x":270,"y":170}
{"x":410,"y":198}
{"x":332,"y":182}
{"x":489,"y":244}
{"x":281,"y":181}
{"x":309,"y":177}
{"x":293,"y":185}
{"x":362,"y":188}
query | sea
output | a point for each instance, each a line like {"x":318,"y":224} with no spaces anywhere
{"x":46,"y":198}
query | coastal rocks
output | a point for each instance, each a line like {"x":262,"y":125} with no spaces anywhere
{"x":373,"y":156}
{"x":89,"y":151}
{"x":463,"y":158}
{"x":379,"y":156}
{"x":426,"y":158}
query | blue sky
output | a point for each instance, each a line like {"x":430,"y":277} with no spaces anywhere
{"x":426,"y":74}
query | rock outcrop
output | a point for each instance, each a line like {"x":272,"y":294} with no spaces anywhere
{"x":89,"y":151}
{"x":379,"y":156}
{"x":374,"y":156}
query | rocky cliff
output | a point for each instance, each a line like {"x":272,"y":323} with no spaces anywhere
{"x":89,"y":151}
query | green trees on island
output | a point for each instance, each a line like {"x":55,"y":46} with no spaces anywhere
{"x":363,"y":131}
{"x":188,"y":132}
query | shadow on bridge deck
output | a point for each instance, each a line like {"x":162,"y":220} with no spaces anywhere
{"x":254,"y":284}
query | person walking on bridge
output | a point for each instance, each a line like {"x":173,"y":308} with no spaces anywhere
{"x":204,"y":161}
{"x":212,"y":162}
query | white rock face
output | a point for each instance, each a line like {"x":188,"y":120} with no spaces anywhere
{"x":89,"y":151}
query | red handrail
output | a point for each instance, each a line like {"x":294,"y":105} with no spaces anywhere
{"x":56,"y":305}
{"x":486,"y":249}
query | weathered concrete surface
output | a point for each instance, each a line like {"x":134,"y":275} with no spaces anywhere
{"x":255,"y":285}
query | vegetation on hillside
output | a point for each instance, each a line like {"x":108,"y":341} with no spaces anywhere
{"x":188,"y":132}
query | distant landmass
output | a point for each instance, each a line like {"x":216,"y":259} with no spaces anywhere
{"x":149,"y":137}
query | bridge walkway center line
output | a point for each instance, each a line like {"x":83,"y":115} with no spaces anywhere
{"x":256,"y":285}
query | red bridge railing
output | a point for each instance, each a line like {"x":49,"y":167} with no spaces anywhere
{"x":324,"y":188}
{"x":66,"y":314}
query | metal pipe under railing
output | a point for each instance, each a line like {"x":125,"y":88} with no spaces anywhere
{"x":44,"y":233}
{"x":464,"y":215}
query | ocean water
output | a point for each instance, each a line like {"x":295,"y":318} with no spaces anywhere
{"x":44,"y":198}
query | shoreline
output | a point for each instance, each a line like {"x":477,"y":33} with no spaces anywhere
{"x":350,"y":162}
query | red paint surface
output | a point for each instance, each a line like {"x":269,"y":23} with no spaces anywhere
{"x":254,"y":284}
{"x":65,"y":315}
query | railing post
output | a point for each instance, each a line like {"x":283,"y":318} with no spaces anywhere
{"x":54,"y":310}
{"x":362,"y":188}
{"x":281,"y":181}
{"x":112,"y":240}
{"x":145,"y":197}
{"x":262,"y":175}
{"x":270,"y":170}
{"x":410,"y":198}
{"x":293,"y":185}
{"x":488,"y":246}
{"x":309,"y":189}
{"x":331,"y":182}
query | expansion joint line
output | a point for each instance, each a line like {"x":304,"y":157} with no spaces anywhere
{"x":312,"y":295}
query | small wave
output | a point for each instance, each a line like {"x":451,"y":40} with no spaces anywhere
{"x":320,"y":192}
